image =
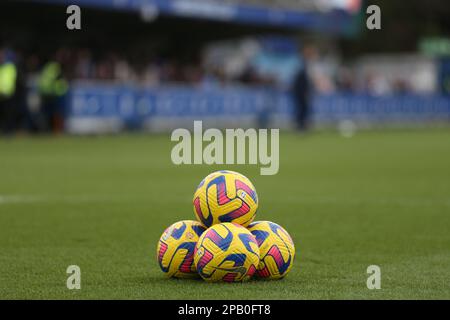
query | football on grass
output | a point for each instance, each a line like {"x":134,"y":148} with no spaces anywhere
{"x":176,"y":247}
{"x":225,"y":196}
{"x":276,"y":249}
{"x":226,"y":252}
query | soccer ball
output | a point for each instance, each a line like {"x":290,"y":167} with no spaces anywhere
{"x":226,"y":252}
{"x":276,"y":248}
{"x":176,"y":248}
{"x":225,"y":196}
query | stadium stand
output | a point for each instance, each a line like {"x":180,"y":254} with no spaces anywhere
{"x":124,"y":72}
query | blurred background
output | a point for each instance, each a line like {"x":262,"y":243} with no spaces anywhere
{"x":155,"y":65}
{"x":86,"y":178}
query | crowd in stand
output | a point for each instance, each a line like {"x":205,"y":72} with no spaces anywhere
{"x":83,"y":64}
{"x":51,"y":73}
{"x":48,"y":77}
{"x":152,"y":69}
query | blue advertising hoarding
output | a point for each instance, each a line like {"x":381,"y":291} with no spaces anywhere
{"x":96,"y":108}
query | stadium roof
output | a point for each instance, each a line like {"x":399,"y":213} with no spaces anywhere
{"x":324,"y":15}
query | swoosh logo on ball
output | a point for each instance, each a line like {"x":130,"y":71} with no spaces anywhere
{"x":240,"y":270}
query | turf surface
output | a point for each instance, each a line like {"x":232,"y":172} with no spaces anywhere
{"x":102,"y":202}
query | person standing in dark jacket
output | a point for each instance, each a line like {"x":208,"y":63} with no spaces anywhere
{"x":301,"y":94}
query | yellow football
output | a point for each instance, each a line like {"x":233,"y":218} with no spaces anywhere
{"x":226,"y":252}
{"x":175,"y":251}
{"x":276,"y":249}
{"x":225,"y":196}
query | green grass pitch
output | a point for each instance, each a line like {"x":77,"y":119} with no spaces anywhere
{"x":380,"y":197}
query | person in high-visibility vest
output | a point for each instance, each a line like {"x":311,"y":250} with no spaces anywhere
{"x":8,"y":78}
{"x":51,"y":83}
{"x":52,"y":86}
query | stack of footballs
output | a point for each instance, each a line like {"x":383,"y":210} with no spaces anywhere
{"x":225,"y":244}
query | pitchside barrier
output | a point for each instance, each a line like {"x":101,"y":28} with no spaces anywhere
{"x":100,"y":108}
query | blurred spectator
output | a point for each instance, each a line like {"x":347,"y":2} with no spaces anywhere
{"x":376,"y":85}
{"x":8,"y":82}
{"x":84,"y":65}
{"x":345,"y":80}
{"x":301,"y":91}
{"x":52,"y":87}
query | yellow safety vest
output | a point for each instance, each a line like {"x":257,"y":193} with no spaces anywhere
{"x":8,"y":77}
{"x":49,"y":82}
